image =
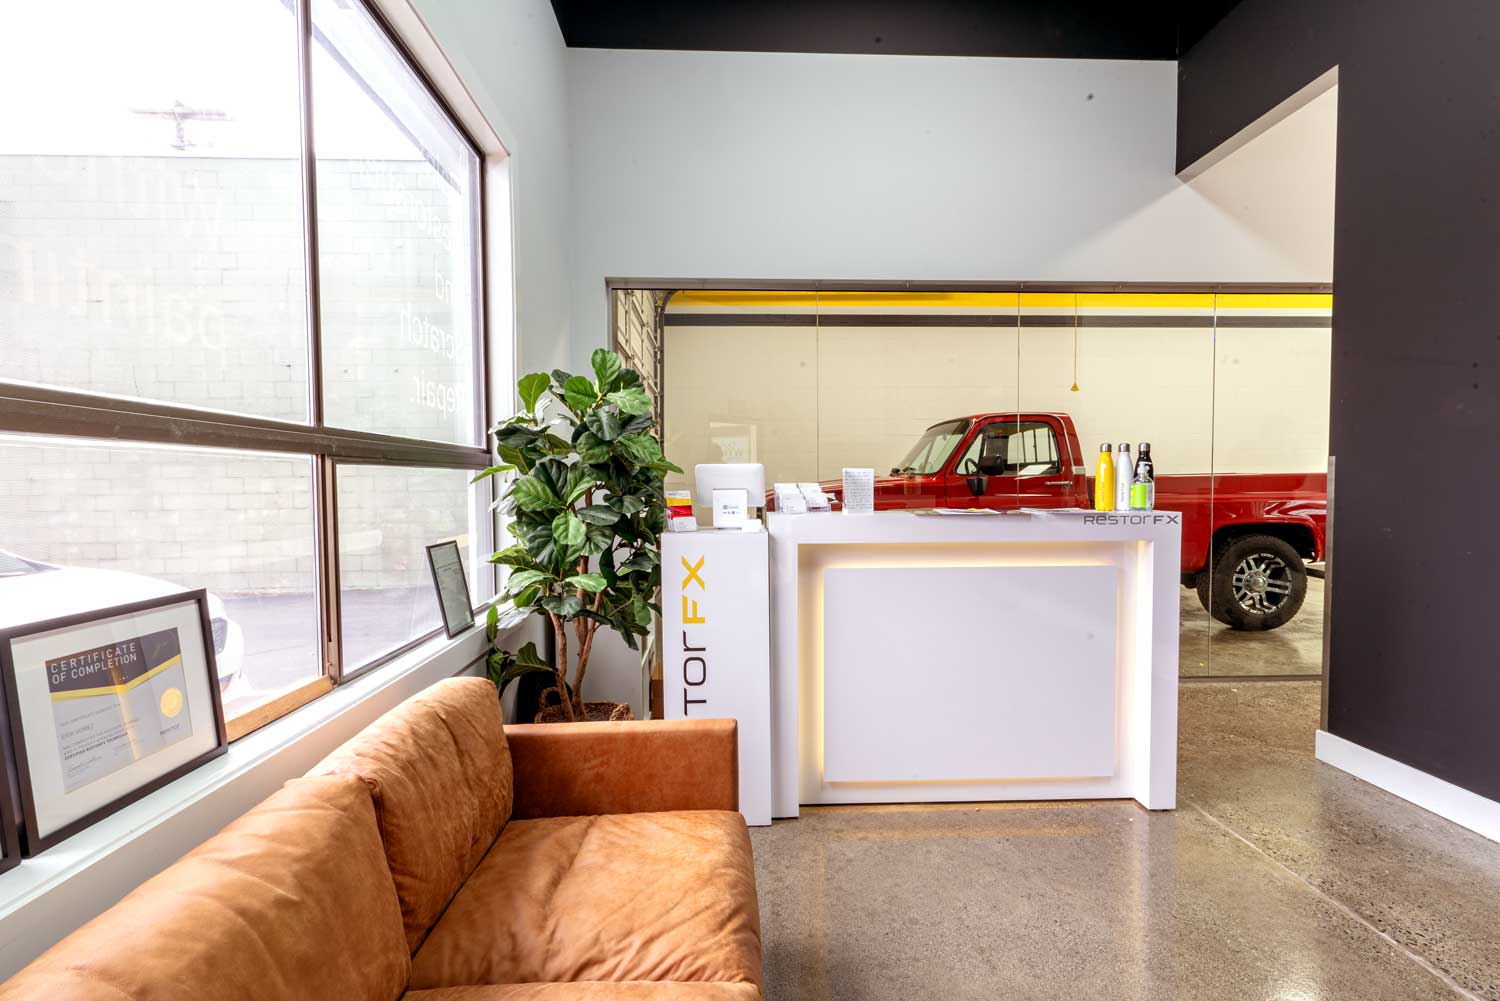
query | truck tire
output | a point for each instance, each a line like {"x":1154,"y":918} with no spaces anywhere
{"x":1258,"y":582}
{"x":1200,"y":584}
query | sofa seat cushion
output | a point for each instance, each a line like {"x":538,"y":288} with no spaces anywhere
{"x":593,"y":990}
{"x":439,"y":771}
{"x":289,"y":902}
{"x":619,"y":897}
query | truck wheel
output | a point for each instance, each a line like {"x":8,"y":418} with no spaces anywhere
{"x":1258,"y":582}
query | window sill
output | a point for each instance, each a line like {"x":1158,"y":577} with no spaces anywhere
{"x":49,"y":896}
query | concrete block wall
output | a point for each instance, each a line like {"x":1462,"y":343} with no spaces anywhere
{"x":181,"y":279}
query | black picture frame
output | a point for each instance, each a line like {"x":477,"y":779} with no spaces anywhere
{"x":437,"y":586}
{"x":10,"y":799}
{"x":31,"y":840}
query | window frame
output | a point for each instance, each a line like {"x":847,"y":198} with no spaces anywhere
{"x":976,"y":446}
{"x":31,"y":409}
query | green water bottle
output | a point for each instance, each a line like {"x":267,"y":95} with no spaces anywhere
{"x":1143,"y":482}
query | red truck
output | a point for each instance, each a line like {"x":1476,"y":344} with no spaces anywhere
{"x":1246,"y":537}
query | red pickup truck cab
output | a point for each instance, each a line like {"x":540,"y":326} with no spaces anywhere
{"x":1246,"y":537}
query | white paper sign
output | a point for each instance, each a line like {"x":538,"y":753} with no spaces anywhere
{"x":859,"y":491}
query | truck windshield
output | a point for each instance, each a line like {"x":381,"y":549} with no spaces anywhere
{"x":931,"y":451}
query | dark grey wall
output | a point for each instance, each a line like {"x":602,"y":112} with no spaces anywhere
{"x":1415,"y":422}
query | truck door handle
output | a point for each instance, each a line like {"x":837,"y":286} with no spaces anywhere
{"x":1059,"y":483}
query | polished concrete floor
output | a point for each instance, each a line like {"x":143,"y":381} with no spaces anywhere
{"x":1212,"y":648}
{"x":1276,"y":879}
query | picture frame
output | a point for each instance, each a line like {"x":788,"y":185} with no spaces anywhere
{"x":105,"y":707}
{"x":446,"y":562}
{"x":10,"y":829}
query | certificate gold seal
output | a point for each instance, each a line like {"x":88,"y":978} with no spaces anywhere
{"x":171,"y":702}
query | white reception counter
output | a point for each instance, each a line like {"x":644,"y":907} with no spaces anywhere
{"x":929,"y":657}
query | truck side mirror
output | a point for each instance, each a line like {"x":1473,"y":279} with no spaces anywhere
{"x":977,"y":484}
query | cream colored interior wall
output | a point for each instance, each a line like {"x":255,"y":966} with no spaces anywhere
{"x":720,"y":380}
{"x":1239,"y":400}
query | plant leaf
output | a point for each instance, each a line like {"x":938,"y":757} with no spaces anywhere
{"x":515,"y":671}
{"x":631,"y":401}
{"x":568,"y":530}
{"x":581,"y":480}
{"x":607,"y":367}
{"x":567,"y":605}
{"x":522,"y":579}
{"x":579,"y":393}
{"x":513,"y":556}
{"x":640,"y":449}
{"x":591,"y":582}
{"x":527,"y":655}
{"x":553,"y":473}
{"x":599,"y":514}
{"x":532,"y":494}
{"x":605,"y":424}
{"x":486,"y":474}
{"x":531,"y":388}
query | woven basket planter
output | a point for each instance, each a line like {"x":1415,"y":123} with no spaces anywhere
{"x":552,"y":710}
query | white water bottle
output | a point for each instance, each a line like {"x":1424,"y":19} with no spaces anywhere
{"x":1122,"y":483}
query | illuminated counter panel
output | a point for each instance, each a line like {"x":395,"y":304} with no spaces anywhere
{"x":1015,"y":655}
{"x":894,"y":654}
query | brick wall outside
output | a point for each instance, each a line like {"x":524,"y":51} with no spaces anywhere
{"x":181,"y":279}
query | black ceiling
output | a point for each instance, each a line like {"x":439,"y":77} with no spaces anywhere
{"x":1072,"y":29}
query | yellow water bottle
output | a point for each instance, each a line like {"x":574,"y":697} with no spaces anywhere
{"x":1104,"y":480}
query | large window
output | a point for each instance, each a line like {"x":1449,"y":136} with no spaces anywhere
{"x":241,"y":338}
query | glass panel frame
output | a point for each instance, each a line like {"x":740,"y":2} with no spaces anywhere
{"x":83,"y":412}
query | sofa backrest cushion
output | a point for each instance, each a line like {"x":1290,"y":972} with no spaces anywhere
{"x":291,"y":901}
{"x":439,"y":772}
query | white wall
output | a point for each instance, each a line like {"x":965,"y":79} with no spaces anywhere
{"x":754,"y":165}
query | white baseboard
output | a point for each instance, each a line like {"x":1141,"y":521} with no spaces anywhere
{"x":1467,"y":809}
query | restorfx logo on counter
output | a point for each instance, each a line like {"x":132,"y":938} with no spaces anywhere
{"x":694,"y":658}
{"x":1135,"y":518}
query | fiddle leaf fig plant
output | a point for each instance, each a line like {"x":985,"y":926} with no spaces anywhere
{"x":582,"y":472}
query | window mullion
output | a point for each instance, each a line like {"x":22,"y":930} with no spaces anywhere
{"x":330,"y":624}
{"x":325,"y":493}
{"x":310,"y":216}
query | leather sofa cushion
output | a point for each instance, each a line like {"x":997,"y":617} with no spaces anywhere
{"x":619,"y":897}
{"x":439,"y":772}
{"x":593,"y":991}
{"x":291,"y":901}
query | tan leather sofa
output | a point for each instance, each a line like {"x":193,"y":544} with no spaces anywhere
{"x":440,"y":856}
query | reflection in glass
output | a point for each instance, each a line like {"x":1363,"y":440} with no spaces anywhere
{"x":397,"y":195}
{"x":388,"y":515}
{"x":89,"y":525}
{"x":1263,"y":592}
{"x":150,"y":203}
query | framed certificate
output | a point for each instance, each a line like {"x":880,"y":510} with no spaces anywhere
{"x":105,"y":707}
{"x":452,"y":585}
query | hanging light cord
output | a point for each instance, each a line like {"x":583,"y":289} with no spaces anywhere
{"x":1075,"y":342}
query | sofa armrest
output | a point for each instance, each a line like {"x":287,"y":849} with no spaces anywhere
{"x":646,"y":766}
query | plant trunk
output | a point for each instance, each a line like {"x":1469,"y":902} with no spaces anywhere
{"x":560,"y":669}
{"x":583,"y":663}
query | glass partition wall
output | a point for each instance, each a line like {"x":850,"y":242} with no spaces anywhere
{"x":1009,"y":397}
